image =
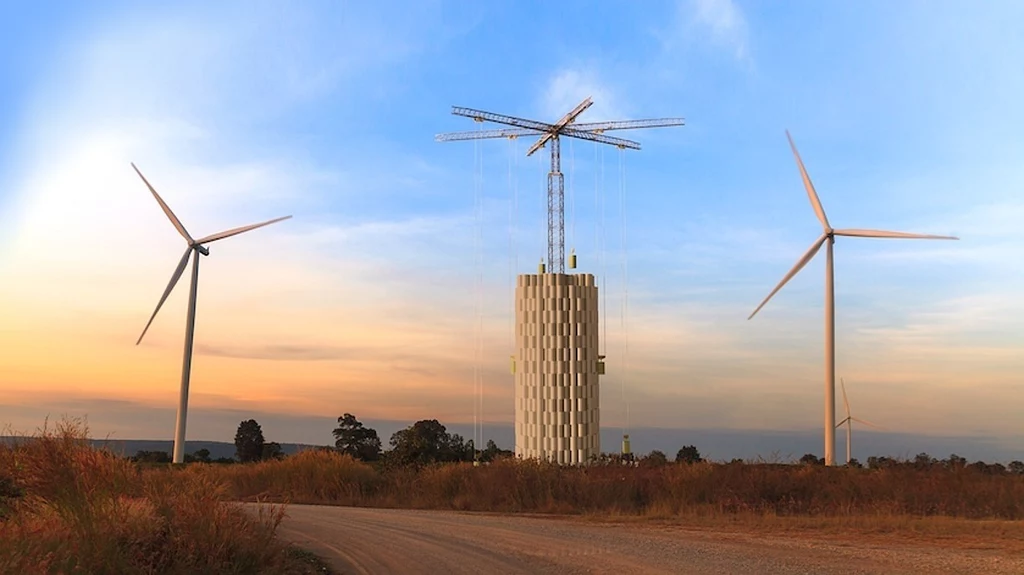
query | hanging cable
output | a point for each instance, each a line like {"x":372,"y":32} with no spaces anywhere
{"x":597,"y":209}
{"x":625,"y":288}
{"x":604,"y":271}
{"x":511,"y":249}
{"x":572,"y":195}
{"x":515,"y":203}
{"x":476,"y":266}
{"x":480,"y":300}
{"x":478,"y":429}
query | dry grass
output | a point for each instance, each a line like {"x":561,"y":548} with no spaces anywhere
{"x":673,"y":490}
{"x":66,"y":507}
{"x":974,"y":508}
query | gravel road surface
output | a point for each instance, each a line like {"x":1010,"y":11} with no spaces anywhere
{"x":371,"y":541}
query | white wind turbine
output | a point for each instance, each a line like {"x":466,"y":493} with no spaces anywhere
{"x":198,"y":248}
{"x":828,"y":236}
{"x":849,"y":421}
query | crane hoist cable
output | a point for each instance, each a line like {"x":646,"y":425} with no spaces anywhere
{"x":624,"y":314}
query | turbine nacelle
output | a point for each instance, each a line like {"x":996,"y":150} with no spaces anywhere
{"x":203,"y":250}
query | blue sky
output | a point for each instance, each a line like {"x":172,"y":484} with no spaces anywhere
{"x":906,"y":114}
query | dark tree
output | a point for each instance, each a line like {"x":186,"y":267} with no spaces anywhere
{"x":461,"y":449}
{"x":955,"y":462}
{"x":423,"y":442}
{"x":811,"y":459}
{"x":1016,"y":467}
{"x":200,"y":456}
{"x":924,"y":461}
{"x":271,"y":450}
{"x":492,"y":452}
{"x":655,"y":458}
{"x":152,"y":457}
{"x":352,"y":438}
{"x":688,"y":454}
{"x":853,"y":463}
{"x":249,"y":441}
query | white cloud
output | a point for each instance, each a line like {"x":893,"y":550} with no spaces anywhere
{"x":570,"y":86}
{"x":720,"y":21}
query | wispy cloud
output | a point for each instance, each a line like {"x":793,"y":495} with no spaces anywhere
{"x":569,"y":86}
{"x":719,"y":22}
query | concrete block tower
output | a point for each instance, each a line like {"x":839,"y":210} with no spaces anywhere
{"x":557,"y":367}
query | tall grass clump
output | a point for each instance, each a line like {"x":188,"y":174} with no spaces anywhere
{"x":66,"y":507}
{"x":311,"y":476}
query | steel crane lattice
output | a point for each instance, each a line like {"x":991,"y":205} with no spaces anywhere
{"x":567,"y":126}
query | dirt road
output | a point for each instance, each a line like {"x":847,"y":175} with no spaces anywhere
{"x":359,"y":540}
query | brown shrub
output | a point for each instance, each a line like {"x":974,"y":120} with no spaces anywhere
{"x":84,"y":510}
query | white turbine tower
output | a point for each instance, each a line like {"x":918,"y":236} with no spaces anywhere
{"x":828,"y":236}
{"x":849,"y":422}
{"x":198,"y":248}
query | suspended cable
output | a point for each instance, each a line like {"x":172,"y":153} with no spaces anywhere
{"x":515,"y":202}
{"x":511,"y":245}
{"x":480,"y":300}
{"x":478,"y":430}
{"x":597,"y":209}
{"x":572,"y":194}
{"x":476,"y":287}
{"x":625,"y":287}
{"x":604,"y":271}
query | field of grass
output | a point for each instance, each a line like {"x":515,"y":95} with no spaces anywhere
{"x":510,"y":486}
{"x":70,"y":508}
{"x":66,"y":507}
{"x":964,"y":507}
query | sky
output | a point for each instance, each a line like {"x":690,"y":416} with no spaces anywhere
{"x":368,"y":301}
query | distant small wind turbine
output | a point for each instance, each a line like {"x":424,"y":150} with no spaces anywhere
{"x":849,"y":421}
{"x":199,"y":249}
{"x":830,"y":296}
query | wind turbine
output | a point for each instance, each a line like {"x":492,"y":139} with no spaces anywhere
{"x":198,"y":248}
{"x":828,"y":236}
{"x":849,"y":421}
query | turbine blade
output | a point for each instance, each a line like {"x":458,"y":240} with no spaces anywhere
{"x":840,"y":424}
{"x":867,"y":423}
{"x":799,"y":265}
{"x":170,"y":286}
{"x":236,"y":231}
{"x":855,"y":233}
{"x":811,"y":194}
{"x":167,"y":209}
{"x":845,"y":401}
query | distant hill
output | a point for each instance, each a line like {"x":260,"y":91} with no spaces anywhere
{"x":218,"y":449}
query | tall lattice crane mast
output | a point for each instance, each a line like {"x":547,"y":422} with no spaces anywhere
{"x":567,"y":126}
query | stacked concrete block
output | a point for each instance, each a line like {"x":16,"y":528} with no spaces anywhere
{"x":556,"y":378}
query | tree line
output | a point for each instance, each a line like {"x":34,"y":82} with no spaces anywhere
{"x":428,"y":441}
